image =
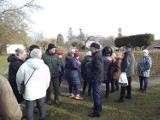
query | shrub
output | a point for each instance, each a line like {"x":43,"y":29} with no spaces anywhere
{"x":142,"y":40}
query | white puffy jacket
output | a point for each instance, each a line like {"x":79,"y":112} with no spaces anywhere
{"x":38,"y":83}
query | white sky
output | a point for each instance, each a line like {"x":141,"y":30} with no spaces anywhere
{"x":97,"y":17}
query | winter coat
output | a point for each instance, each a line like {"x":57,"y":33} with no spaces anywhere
{"x":9,"y":107}
{"x":108,"y":63}
{"x":38,"y":82}
{"x":14,"y":65}
{"x":144,"y":66}
{"x":79,"y":66}
{"x":53,"y":62}
{"x":86,"y":68}
{"x":116,"y":72}
{"x":97,"y":67}
{"x":61,"y":73}
{"x":72,"y":73}
{"x":127,"y":64}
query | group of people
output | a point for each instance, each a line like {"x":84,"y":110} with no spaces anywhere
{"x":36,"y":73}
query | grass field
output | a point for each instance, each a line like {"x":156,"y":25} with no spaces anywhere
{"x":142,"y":106}
{"x":3,"y":63}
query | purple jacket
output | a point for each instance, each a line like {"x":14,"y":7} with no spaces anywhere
{"x":107,"y":68}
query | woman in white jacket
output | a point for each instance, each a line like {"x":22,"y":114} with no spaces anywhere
{"x":35,"y":75}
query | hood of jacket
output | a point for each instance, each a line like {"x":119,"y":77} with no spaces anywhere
{"x":12,"y":58}
{"x":87,"y":58}
{"x":35,"y":63}
{"x":69,"y":58}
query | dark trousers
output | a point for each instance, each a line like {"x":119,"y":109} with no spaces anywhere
{"x":108,"y":87}
{"x":117,"y":85}
{"x":55,"y":83}
{"x":96,"y":97}
{"x":143,"y":82}
{"x":112,"y":86}
{"x":60,"y":80}
{"x":30,"y":108}
{"x":124,"y":88}
{"x":76,"y":88}
{"x":89,"y":86}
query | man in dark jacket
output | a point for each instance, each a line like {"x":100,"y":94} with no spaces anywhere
{"x":52,"y":60}
{"x":127,"y":66}
{"x":97,"y":77}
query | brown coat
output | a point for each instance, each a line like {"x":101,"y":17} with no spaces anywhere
{"x":117,"y":69}
{"x":9,"y":108}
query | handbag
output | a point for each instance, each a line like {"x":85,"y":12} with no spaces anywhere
{"x":24,"y":85}
{"x":123,"y":81}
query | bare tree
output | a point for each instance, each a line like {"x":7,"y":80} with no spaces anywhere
{"x":14,"y":21}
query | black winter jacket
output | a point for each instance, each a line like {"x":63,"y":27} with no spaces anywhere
{"x":97,"y":67}
{"x":14,"y":65}
{"x":86,"y":68}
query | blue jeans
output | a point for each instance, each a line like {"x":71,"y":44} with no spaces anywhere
{"x":143,"y":82}
{"x":76,"y":88}
{"x":41,"y":107}
{"x":96,"y":97}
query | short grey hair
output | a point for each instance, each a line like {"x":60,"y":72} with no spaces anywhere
{"x":70,"y":53}
{"x":36,"y":53}
{"x":18,"y":51}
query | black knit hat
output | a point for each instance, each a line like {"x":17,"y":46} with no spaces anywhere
{"x":95,"y":45}
{"x":50,"y":46}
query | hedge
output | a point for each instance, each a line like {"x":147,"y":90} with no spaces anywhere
{"x":141,"y":40}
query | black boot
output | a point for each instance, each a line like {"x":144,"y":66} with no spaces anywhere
{"x":94,"y":114}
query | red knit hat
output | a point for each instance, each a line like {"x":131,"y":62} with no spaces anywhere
{"x":76,"y":54}
{"x":59,"y":52}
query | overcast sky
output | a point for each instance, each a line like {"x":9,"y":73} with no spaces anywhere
{"x":97,"y":17}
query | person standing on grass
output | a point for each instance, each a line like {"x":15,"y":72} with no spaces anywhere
{"x":144,"y":66}
{"x":72,"y":75}
{"x":61,"y":74}
{"x":127,"y":66}
{"x":52,"y":60}
{"x":108,"y":63}
{"x":76,"y":57}
{"x":117,"y":69}
{"x":16,"y":60}
{"x":35,"y":75}
{"x":31,"y":48}
{"x":86,"y":72}
{"x":9,"y":107}
{"x":96,"y":77}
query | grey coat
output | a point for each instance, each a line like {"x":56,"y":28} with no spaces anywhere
{"x":127,"y":64}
